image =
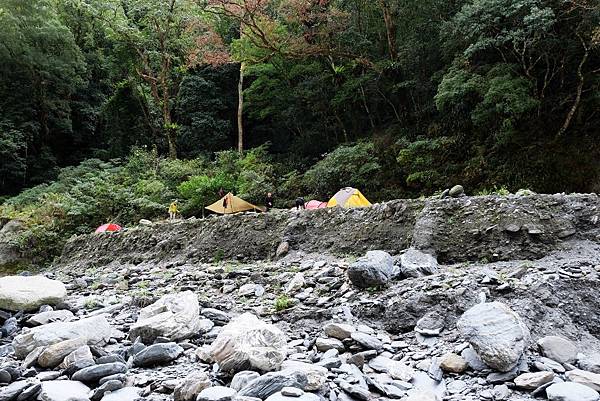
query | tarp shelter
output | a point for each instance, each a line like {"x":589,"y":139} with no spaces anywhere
{"x":315,"y":204}
{"x":348,"y":197}
{"x":108,"y":227}
{"x":232,"y":204}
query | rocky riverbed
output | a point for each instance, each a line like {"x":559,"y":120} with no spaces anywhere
{"x":310,"y":326}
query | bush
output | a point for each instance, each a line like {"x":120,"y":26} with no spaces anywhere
{"x":283,"y":302}
{"x":355,"y":166}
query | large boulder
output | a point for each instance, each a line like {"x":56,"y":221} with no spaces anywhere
{"x":571,"y":392}
{"x":94,"y":330}
{"x":189,"y":388}
{"x":28,"y":293}
{"x":64,"y":390}
{"x":174,"y":316}
{"x":558,"y":349}
{"x":498,"y":334}
{"x":414,"y":263}
{"x":247,"y":342}
{"x":374,"y":269}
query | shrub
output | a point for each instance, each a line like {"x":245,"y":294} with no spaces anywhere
{"x":283,"y":302}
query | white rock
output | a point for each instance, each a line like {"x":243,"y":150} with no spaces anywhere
{"x":94,"y":330}
{"x":571,"y":392}
{"x":592,"y":380}
{"x":248,"y":342}
{"x":50,"y":317}
{"x":531,"y":381}
{"x":498,"y":334}
{"x":124,"y":394}
{"x":174,"y":316}
{"x":28,"y":293}
{"x":558,"y":349}
{"x":396,"y":369}
{"x":64,"y":390}
{"x":189,"y":388}
{"x":295,"y":284}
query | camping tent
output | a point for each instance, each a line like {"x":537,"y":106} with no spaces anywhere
{"x":108,"y":227}
{"x":348,"y":197}
{"x":315,"y":204}
{"x":232,"y":204}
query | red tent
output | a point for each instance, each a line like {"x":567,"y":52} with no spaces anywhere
{"x":315,"y":204}
{"x":108,"y":227}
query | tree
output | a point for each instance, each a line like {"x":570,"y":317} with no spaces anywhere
{"x":162,"y":40}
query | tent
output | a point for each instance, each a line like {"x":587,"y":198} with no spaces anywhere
{"x":231,"y":204}
{"x":108,"y":227}
{"x":315,"y":204}
{"x":348,"y":197}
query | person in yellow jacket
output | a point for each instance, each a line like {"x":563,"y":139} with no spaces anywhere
{"x":173,"y":210}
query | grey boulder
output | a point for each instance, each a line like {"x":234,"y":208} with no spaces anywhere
{"x":64,"y":390}
{"x":374,"y":269}
{"x":558,"y":349}
{"x":28,"y":293}
{"x":571,"y":392}
{"x":247,"y":342}
{"x":174,"y":316}
{"x":94,"y":330}
{"x":415,"y":263}
{"x":189,"y":388}
{"x":157,"y":354}
{"x":498,"y":334}
{"x":97,"y":372}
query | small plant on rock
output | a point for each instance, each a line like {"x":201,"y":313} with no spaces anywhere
{"x":283,"y":302}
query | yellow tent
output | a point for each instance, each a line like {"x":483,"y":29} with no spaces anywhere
{"x":232,"y":204}
{"x":348,"y":197}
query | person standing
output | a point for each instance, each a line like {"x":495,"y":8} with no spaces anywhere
{"x":173,"y":210}
{"x":269,"y":201}
{"x":300,"y":203}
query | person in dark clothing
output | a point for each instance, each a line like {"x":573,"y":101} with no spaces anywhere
{"x":269,"y":201}
{"x":299,"y":203}
{"x":221,"y":193}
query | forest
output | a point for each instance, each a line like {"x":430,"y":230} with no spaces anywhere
{"x":109,"y":109}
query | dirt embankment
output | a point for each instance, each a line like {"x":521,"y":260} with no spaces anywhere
{"x":486,"y":228}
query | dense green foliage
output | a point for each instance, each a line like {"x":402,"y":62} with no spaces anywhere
{"x":396,"y":98}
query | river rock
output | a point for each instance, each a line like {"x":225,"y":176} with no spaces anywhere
{"x":64,"y":390}
{"x":28,"y":293}
{"x":568,"y":391}
{"x":591,"y":363}
{"x":374,"y":269}
{"x":280,"y":396}
{"x":396,"y":369}
{"x":53,"y":355}
{"x":589,"y":379}
{"x":94,"y":330}
{"x":189,"y":388}
{"x":316,"y":375}
{"x":50,"y":317}
{"x":157,"y":354}
{"x":124,"y":394}
{"x":325,"y":344}
{"x":242,"y":378}
{"x":12,"y":391}
{"x":79,"y":356}
{"x":558,"y":349}
{"x":498,"y":334}
{"x":248,"y":342}
{"x":531,"y":381}
{"x":272,"y":382}
{"x":173,"y":316}
{"x":340,"y":331}
{"x":453,"y":363}
{"x":217,"y":393}
{"x":96,"y":372}
{"x":415,"y":263}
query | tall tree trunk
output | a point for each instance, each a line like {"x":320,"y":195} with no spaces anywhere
{"x":390,"y":28}
{"x":240,"y":111}
{"x":579,"y":90}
